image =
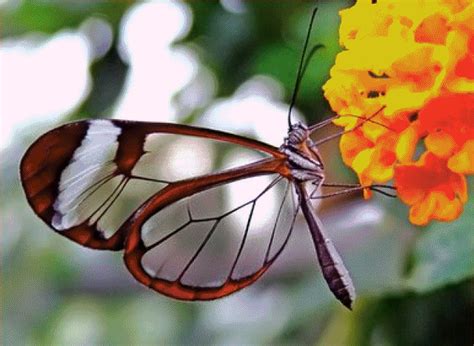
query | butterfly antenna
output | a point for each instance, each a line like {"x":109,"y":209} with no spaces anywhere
{"x":302,"y":66}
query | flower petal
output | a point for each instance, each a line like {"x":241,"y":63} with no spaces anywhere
{"x":432,"y":29}
{"x":351,"y":144}
{"x":441,"y":144}
{"x":421,"y":213}
{"x":406,"y":144}
{"x":429,"y":181}
{"x":463,"y":161}
{"x":446,"y":209}
{"x":362,"y":160}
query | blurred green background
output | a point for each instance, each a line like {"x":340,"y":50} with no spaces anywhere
{"x":198,"y":62}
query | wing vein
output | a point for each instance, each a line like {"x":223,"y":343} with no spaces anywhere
{"x":110,"y":200}
{"x":295,"y":213}
{"x":169,"y":235}
{"x":276,"y":223}
{"x":242,"y":243}
{"x":201,"y":247}
{"x":96,"y":186}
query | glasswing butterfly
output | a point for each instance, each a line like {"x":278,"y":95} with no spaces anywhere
{"x":103,"y":184}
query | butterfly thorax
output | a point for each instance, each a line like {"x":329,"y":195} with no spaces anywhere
{"x":304,"y":161}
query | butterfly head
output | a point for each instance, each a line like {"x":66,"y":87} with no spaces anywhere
{"x":297,"y":134}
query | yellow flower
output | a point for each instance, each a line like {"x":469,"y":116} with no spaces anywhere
{"x":370,"y":151}
{"x":409,"y":67}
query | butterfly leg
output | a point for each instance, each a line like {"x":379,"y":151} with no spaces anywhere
{"x":351,"y":188}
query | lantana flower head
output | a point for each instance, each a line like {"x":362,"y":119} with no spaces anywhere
{"x":409,"y":67}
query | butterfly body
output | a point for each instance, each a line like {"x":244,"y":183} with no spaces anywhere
{"x":306,"y":166}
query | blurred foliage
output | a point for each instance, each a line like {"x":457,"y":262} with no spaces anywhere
{"x":26,"y":16}
{"x":268,"y":40}
{"x":444,"y":254}
{"x":415,"y":285}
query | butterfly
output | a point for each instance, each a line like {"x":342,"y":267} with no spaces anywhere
{"x":103,"y":184}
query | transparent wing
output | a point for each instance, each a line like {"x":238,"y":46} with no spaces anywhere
{"x":213,"y":242}
{"x":85,"y":179}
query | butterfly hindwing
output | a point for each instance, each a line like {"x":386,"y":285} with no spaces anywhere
{"x":213,"y":238}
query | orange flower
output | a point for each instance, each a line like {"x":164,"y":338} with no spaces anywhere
{"x":448,"y":123}
{"x":414,"y":60}
{"x":370,"y":153}
{"x":390,"y":72}
{"x":431,"y":189}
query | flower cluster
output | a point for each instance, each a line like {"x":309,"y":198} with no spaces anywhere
{"x":407,"y":73}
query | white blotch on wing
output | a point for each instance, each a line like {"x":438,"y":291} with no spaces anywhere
{"x":91,"y":163}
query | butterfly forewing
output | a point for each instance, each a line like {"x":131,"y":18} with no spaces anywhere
{"x":86,"y":178}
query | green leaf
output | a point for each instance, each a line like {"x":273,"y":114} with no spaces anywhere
{"x":444,"y":254}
